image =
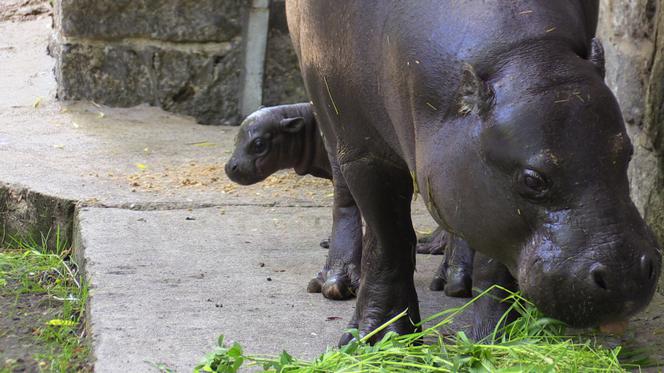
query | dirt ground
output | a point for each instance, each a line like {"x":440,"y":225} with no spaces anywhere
{"x":20,"y":316}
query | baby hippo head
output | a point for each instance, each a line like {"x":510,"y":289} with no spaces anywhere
{"x":267,"y":142}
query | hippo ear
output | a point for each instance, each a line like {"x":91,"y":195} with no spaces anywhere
{"x":475,"y":95}
{"x":292,"y":125}
{"x":597,"y":56}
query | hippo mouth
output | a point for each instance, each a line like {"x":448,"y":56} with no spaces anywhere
{"x":239,"y":174}
{"x":582,"y":309}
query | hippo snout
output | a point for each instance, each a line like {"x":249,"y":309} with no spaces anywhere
{"x":644,"y":272}
{"x":597,"y":287}
{"x":242,"y":172}
{"x":233,"y":171}
{"x":231,"y":167}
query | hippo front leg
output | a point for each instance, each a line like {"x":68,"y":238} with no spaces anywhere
{"x":383,"y":193}
{"x":488,"y":310}
{"x":340,"y":276}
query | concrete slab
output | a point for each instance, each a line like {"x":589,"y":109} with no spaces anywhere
{"x":166,"y":284}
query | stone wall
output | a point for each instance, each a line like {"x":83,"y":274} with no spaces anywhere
{"x":633,"y":36}
{"x":182,"y":55}
{"x":283,"y":82}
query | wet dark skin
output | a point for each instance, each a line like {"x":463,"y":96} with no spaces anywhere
{"x":497,"y":112}
{"x":287,"y":136}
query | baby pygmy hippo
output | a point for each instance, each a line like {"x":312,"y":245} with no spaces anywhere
{"x":287,"y":136}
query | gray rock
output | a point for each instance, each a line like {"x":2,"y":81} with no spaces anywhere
{"x":283,"y":82}
{"x":113,"y":75}
{"x":635,"y":73}
{"x":167,"y":20}
{"x":184,"y":56}
{"x":199,"y":83}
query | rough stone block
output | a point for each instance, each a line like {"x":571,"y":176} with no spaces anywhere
{"x":181,"y":55}
{"x":283,"y":82}
{"x":199,"y":83}
{"x":166,"y":20}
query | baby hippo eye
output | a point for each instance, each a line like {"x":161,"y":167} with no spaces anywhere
{"x":532,"y":184}
{"x":258,"y":145}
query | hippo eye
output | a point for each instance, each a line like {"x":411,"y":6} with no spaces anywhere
{"x":258,"y":146}
{"x":532,"y":184}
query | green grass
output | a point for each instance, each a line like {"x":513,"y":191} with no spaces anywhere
{"x":31,"y":269}
{"x":532,"y":343}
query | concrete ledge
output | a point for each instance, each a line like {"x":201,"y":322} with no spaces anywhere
{"x":190,"y":80}
{"x":29,"y":215}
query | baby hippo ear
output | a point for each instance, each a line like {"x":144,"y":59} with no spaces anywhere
{"x":475,"y":95}
{"x":597,"y":56}
{"x":292,"y":125}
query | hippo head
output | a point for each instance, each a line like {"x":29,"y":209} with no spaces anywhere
{"x":544,"y":190}
{"x":263,"y":146}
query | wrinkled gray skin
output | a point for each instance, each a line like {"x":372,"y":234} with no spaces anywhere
{"x":499,"y":113}
{"x":287,"y":136}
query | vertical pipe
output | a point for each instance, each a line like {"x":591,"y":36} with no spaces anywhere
{"x":255,"y":44}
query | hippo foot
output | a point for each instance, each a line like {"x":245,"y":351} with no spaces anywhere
{"x":335,"y":284}
{"x":439,"y":279}
{"x":459,"y":283}
{"x":434,"y":244}
{"x":315,"y":285}
{"x":375,"y":310}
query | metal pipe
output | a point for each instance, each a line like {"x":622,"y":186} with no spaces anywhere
{"x":255,"y":45}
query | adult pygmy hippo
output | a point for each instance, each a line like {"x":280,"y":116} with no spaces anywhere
{"x":287,"y":136}
{"x":498,"y":113}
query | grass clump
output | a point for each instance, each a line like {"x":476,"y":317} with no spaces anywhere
{"x":43,"y":302}
{"x":531,"y":343}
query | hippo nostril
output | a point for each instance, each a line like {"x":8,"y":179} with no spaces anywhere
{"x":598,"y":273}
{"x":647,"y":267}
{"x":234,"y":167}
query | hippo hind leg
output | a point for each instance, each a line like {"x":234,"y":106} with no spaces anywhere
{"x":454,"y":275}
{"x":340,"y":276}
{"x":383,"y":192}
{"x":434,"y":243}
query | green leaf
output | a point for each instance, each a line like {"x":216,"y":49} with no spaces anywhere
{"x":58,"y":322}
{"x":285,"y":358}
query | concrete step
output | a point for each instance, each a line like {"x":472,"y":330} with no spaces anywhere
{"x":166,"y":284}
